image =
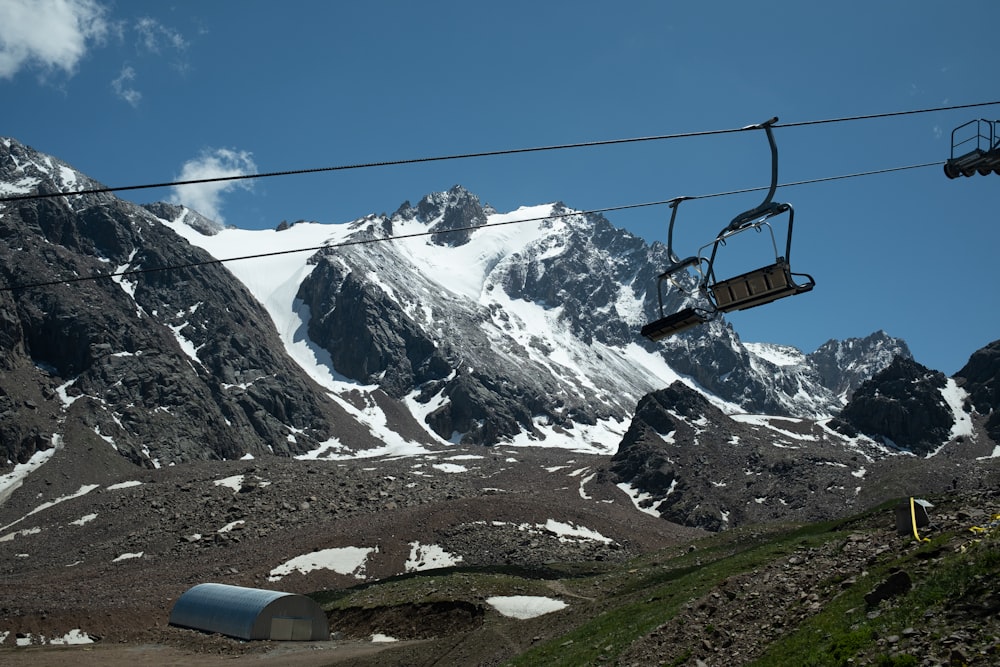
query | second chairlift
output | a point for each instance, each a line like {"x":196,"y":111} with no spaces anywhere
{"x":747,"y":290}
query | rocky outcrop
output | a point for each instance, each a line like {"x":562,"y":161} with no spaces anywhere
{"x":698,"y":467}
{"x":902,"y":406}
{"x":980,"y":377}
{"x":368,"y":334}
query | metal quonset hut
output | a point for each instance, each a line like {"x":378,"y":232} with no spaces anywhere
{"x":250,"y":613}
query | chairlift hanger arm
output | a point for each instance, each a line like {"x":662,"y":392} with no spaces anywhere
{"x":674,"y":204}
{"x":766,"y":207}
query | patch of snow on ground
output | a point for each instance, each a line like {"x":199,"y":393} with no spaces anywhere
{"x":187,"y":346}
{"x":566,"y":530}
{"x":124,"y":485}
{"x":429,"y":557}
{"x":638,"y":497}
{"x":128,"y":556}
{"x":955,"y":397}
{"x":601,"y":438}
{"x":464,"y":268}
{"x":83,"y":490}
{"x":235,"y":482}
{"x":75,"y":636}
{"x":583,"y":483}
{"x":994,"y":455}
{"x":768,"y":422}
{"x":231,"y":525}
{"x":379,"y":638}
{"x":327,"y":450}
{"x":12,"y":480}
{"x":86,"y":518}
{"x":524,"y":606}
{"x":449,"y":467}
{"x":27,"y":531}
{"x":343,"y":560}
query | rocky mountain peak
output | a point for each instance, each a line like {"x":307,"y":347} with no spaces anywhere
{"x":844,"y":364}
{"x":444,"y":212}
{"x":23,"y":170}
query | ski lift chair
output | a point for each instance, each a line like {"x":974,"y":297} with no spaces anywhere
{"x":748,"y":290}
{"x":976,"y":159}
{"x":768,"y":283}
{"x":686,"y":318}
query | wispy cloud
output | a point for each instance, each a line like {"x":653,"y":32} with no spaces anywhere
{"x":206,"y":198}
{"x":153,"y":39}
{"x":156,"y":37}
{"x":123,"y":88}
{"x":48,"y":34}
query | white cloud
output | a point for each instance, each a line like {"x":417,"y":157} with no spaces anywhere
{"x":123,"y":89}
{"x":206,"y":198}
{"x":51,"y":34}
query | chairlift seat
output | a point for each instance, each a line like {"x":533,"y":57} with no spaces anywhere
{"x":673,"y":324}
{"x":965,"y":165}
{"x":755,"y":288}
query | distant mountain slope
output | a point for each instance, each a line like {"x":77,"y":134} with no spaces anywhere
{"x":516,"y":329}
{"x":163,"y":366}
{"x":475,"y":326}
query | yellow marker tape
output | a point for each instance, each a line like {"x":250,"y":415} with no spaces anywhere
{"x":913,"y":520}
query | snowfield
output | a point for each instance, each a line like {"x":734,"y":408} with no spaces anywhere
{"x":525,"y":606}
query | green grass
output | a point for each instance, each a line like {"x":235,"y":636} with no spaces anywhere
{"x":664,"y":592}
{"x":630,"y":601}
{"x":843,"y":630}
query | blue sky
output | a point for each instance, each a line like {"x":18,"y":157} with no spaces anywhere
{"x":136,"y":92}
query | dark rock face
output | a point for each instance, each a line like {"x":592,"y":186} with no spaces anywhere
{"x":164,"y":366}
{"x":487,"y":393}
{"x":369,"y":337}
{"x":902,"y":404}
{"x":980,"y":377}
{"x":698,"y":467}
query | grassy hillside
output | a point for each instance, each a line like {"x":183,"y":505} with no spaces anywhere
{"x":854,"y":591}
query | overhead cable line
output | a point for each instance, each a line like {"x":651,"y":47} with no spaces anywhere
{"x":401,"y":237}
{"x":495,"y":153}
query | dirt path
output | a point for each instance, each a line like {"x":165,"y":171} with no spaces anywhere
{"x":291,"y":654}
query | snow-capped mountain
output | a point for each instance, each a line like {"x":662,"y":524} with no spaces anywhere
{"x":446,"y":321}
{"x":316,"y":415}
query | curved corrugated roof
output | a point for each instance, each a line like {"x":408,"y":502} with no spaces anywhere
{"x":249,"y":613}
